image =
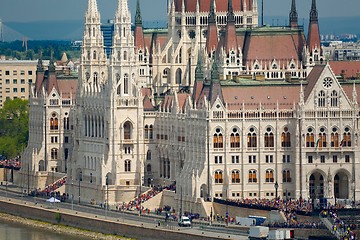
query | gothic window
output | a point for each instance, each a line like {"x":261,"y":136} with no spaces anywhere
{"x":252,"y":138}
{"x":235,"y":176}
{"x":141,"y":56}
{"x":346,"y":141}
{"x":146,"y":132}
{"x":218,"y":139}
{"x":269,"y":138}
{"x":321,"y":99}
{"x":54,"y":122}
{"x":334,"y":138}
{"x":252,"y":176}
{"x":151,"y":132}
{"x":66,"y":123}
{"x":95,"y":78}
{"x":125,"y":55}
{"x":93,"y":31}
{"x":127,"y":166}
{"x":54,"y":154}
{"x":218,"y":176}
{"x":286,"y":176}
{"x":232,"y":58}
{"x":285,"y":138}
{"x":148,"y":155}
{"x":148,"y":168}
{"x":321,"y":142}
{"x":126,"y":84}
{"x":178,"y":76}
{"x":235,"y":139}
{"x":334,"y":99}
{"x":94,"y":55}
{"x":89,"y":30}
{"x":87,"y":76}
{"x":269,"y":176}
{"x":310,"y":142}
{"x":127,"y":130}
{"x":118,"y":56}
{"x":118,"y":89}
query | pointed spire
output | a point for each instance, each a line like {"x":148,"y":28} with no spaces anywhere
{"x":313,"y":12}
{"x":293,"y":16}
{"x":199,"y":73}
{"x":40,"y":66}
{"x":123,"y":9}
{"x":92,"y":7}
{"x":212,"y":15}
{"x":230,"y":13}
{"x":138,"y":18}
{"x":215,"y":76}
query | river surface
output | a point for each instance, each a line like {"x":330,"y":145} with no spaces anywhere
{"x":17,"y":231}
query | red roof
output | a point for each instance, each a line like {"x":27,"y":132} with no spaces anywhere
{"x":220,"y":5}
{"x":313,"y":36}
{"x":67,"y":88}
{"x":267,"y":96}
{"x":139,"y":37}
{"x":349,"y":69}
{"x":277,"y":45}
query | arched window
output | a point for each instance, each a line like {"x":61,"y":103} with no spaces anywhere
{"x":218,"y":139}
{"x":346,"y":141}
{"x":54,"y":122}
{"x":321,"y":99}
{"x":94,"y":55}
{"x":127,"y":166}
{"x":125,"y":55}
{"x":148,"y":168}
{"x":285,"y":138}
{"x":269,"y":138}
{"x":252,"y":138}
{"x":235,"y":139}
{"x":334,"y":99}
{"x":252,"y":176}
{"x":286,"y":176}
{"x":54,"y":154}
{"x":146,"y":130}
{"x":151,"y":132}
{"x":321,"y":142}
{"x":178,"y":76}
{"x":269,"y":176}
{"x":334,"y":138}
{"x":235,"y":176}
{"x":148,"y":155}
{"x":127,"y":130}
{"x":126,"y":84}
{"x":218,"y":176}
{"x":310,"y":138}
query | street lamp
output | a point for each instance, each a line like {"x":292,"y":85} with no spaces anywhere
{"x":276,"y":186}
{"x":80,"y":179}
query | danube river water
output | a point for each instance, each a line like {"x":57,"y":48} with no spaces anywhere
{"x":16,"y":231}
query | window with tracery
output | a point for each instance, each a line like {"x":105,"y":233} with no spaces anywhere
{"x":251,"y":138}
{"x":235,"y":139}
{"x":269,"y":138}
{"x":54,"y":122}
{"x":334,"y":138}
{"x":321,"y":99}
{"x":310,"y":141}
{"x":285,"y":138}
{"x":218,"y":139}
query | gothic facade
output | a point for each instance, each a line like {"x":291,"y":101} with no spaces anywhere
{"x":214,"y":103}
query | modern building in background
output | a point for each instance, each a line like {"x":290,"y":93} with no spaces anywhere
{"x":16,"y":78}
{"x":214,"y":104}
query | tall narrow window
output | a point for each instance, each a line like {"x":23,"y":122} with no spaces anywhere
{"x":235,"y":139}
{"x":285,"y":138}
{"x":235,"y":176}
{"x":218,"y":139}
{"x":127,"y":166}
{"x":269,"y":177}
{"x":218,"y":176}
{"x":286,"y":176}
{"x":127,"y":130}
{"x":334,"y":99}
{"x":346,"y":141}
{"x":252,"y":139}
{"x":269,"y":138}
{"x":252,"y":176}
{"x":334,"y":138}
{"x":126,"y":84}
{"x":310,"y":138}
{"x":321,"y":99}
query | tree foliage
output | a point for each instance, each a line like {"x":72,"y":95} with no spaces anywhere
{"x":14,"y":127}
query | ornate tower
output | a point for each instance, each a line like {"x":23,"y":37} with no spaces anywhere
{"x":293,"y":16}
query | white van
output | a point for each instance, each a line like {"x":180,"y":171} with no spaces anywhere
{"x":184,"y":222}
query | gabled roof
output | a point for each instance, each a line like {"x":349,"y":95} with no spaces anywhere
{"x":312,"y":79}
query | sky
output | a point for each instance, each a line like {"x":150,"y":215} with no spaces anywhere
{"x":40,"y":10}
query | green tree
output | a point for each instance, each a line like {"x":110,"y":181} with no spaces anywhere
{"x":14,"y":127}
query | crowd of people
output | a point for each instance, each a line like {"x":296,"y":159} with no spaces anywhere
{"x":14,"y":163}
{"x":339,"y":227}
{"x":52,"y":187}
